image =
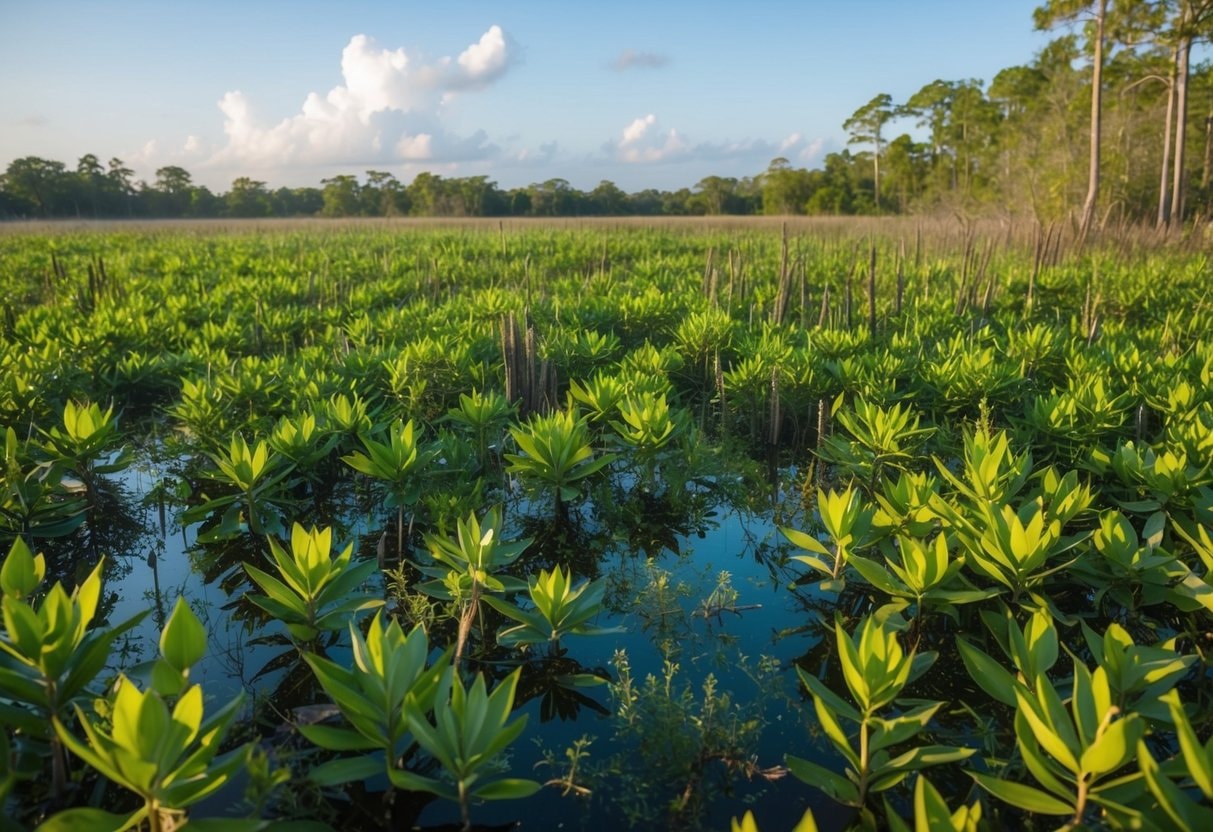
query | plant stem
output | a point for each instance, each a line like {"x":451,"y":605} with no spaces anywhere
{"x":863,"y":760}
{"x":463,"y":807}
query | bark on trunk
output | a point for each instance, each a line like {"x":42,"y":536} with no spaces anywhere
{"x":1164,"y":194}
{"x":1181,"y":121}
{"x":1088,"y":208}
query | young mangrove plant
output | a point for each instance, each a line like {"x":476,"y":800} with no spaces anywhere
{"x":1075,"y":755}
{"x":921,"y":574}
{"x":168,"y":758}
{"x":848,"y":522}
{"x":469,"y":565}
{"x":399,"y":463}
{"x":33,"y":499}
{"x":257,"y":476}
{"x":88,"y":436}
{"x":878,"y":439}
{"x":1018,"y":550}
{"x":560,"y":609}
{"x":646,"y":428}
{"x":49,"y":653}
{"x":484,"y":415}
{"x":1186,"y":802}
{"x":1032,"y":650}
{"x":876,"y":670}
{"x":389,"y":681}
{"x":317,"y":593}
{"x":932,"y":814}
{"x":471,"y":729}
{"x":556,"y":455}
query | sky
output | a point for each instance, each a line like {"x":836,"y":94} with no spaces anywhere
{"x":655,"y":94}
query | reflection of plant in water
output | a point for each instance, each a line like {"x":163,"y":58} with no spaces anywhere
{"x":674,"y":735}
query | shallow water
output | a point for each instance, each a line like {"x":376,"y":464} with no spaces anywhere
{"x":661,"y":571}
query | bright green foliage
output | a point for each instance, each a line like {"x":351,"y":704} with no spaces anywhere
{"x":905,"y":505}
{"x":347,"y":414}
{"x":257,"y":476}
{"x":317,"y":593}
{"x":485,"y":416}
{"x":388,"y":683}
{"x":848,"y":521}
{"x":647,"y":426}
{"x":560,"y":610}
{"x":1017,"y":549}
{"x":1164,"y":480}
{"x":169,"y":758}
{"x":474,"y":556}
{"x":398,"y":462}
{"x":992,"y":473}
{"x":920,"y":573}
{"x":704,"y":335}
{"x":600,"y":396}
{"x":747,"y":823}
{"x":182,"y":645}
{"x":1077,"y":419}
{"x":878,"y":439}
{"x":1033,"y":650}
{"x":469,"y":565}
{"x":1139,"y":675}
{"x":48,"y":655}
{"x":471,"y":729}
{"x":931,"y":812}
{"x":88,"y":435}
{"x":302,"y":441}
{"x":1073,"y":754}
{"x":1132,"y":572}
{"x":965,"y":376}
{"x":1195,"y":587}
{"x":1180,"y":800}
{"x":556,"y":454}
{"x":33,"y":499}
{"x":876,"y":670}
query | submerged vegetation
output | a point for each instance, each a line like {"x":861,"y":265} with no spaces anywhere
{"x":920,"y":519}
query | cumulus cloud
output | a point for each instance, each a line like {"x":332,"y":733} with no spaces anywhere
{"x":642,"y":141}
{"x":634,"y":59}
{"x":388,"y":109}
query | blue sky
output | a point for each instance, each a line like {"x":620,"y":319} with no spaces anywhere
{"x":646,"y":94}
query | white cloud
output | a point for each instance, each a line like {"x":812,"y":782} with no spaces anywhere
{"x":797,"y":148}
{"x":483,"y":62}
{"x":642,"y":142}
{"x":388,"y":109}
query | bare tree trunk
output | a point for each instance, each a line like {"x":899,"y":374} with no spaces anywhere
{"x":1088,"y":208}
{"x":1181,"y":121}
{"x":1164,"y":201}
{"x":1204,"y":168}
{"x":876,"y":171}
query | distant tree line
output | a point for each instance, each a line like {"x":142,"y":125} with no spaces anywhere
{"x":1112,"y":120}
